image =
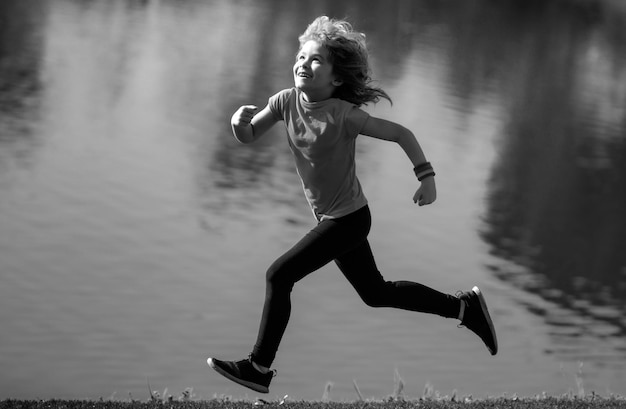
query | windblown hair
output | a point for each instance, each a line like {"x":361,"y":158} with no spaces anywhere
{"x":348,"y":53}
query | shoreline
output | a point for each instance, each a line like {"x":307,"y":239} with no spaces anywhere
{"x":592,"y":401}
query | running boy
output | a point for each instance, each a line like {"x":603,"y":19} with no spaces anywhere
{"x":322,"y":118}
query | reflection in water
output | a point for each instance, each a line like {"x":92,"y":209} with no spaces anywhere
{"x":20,"y":85}
{"x":166,"y":211}
{"x":558,"y":190}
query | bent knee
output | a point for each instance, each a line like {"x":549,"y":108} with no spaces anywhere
{"x":375,"y":300}
{"x":278,"y":276}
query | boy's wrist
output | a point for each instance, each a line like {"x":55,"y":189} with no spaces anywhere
{"x":423,"y":171}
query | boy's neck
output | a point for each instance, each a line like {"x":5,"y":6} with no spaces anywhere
{"x":316,"y":97}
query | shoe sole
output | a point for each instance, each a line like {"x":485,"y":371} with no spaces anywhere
{"x":254,"y":386}
{"x":483,"y":306}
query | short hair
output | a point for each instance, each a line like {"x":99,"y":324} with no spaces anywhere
{"x":348,"y":53}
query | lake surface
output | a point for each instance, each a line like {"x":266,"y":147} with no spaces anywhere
{"x":135,"y":232}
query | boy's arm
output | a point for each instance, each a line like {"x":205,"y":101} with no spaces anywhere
{"x":248,"y":125}
{"x":390,"y":131}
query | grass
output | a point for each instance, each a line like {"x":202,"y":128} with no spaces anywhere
{"x":430,"y":399}
{"x":592,"y":402}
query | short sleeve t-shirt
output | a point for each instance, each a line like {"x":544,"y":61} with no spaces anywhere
{"x":322,"y":137}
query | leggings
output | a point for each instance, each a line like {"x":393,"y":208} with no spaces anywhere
{"x":343,"y":240}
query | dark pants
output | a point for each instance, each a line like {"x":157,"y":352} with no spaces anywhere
{"x":343,"y":240}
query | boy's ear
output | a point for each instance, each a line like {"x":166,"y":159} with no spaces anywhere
{"x":337,"y":82}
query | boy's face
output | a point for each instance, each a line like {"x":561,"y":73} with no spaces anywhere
{"x":313,"y":72}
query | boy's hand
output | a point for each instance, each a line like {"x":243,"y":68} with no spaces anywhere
{"x":427,"y":192}
{"x":243,"y":116}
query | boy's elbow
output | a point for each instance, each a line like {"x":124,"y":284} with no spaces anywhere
{"x":242,"y":139}
{"x":243,"y":136}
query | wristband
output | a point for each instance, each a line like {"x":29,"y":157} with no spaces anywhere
{"x":424,"y":176}
{"x":423,"y":171}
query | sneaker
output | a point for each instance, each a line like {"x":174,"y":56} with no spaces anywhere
{"x":476,"y":318}
{"x":243,"y":373}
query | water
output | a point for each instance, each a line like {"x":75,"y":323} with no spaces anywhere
{"x":134,"y":231}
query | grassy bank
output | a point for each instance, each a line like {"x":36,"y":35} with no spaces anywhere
{"x":430,"y":399}
{"x":591,"y":402}
{"x":500,"y":403}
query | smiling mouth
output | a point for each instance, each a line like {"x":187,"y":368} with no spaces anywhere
{"x":304,"y":75}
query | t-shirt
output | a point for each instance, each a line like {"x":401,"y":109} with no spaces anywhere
{"x":322,"y":140}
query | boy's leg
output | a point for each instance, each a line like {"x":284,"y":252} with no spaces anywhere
{"x":320,"y":246}
{"x":470,"y":307}
{"x":324,"y":243}
{"x":359,"y":267}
